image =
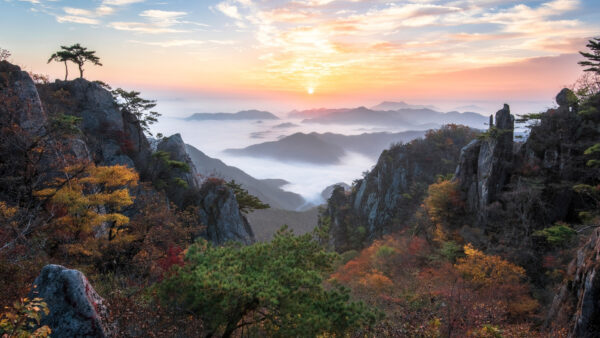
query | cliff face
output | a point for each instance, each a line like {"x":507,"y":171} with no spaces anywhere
{"x":528,"y":185}
{"x":20,"y":95}
{"x":386,"y":199}
{"x":577,"y":303}
{"x":485,"y":164}
{"x":113,"y":136}
{"x":220,"y":211}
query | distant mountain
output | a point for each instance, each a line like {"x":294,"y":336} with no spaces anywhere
{"x":268,"y":191}
{"x":325,"y":148}
{"x":285,"y":125}
{"x":472,"y":108}
{"x":298,"y":147}
{"x":389,"y":105}
{"x":242,"y":115}
{"x":414,"y":118}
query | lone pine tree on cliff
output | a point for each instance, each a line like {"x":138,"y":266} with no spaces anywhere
{"x":76,"y":54}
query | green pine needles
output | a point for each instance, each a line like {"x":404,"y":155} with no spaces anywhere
{"x":274,"y":289}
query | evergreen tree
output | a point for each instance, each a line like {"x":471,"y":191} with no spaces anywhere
{"x":273,"y":289}
{"x":80,"y":55}
{"x":62,"y":56}
{"x":139,"y":107}
{"x":593,"y":58}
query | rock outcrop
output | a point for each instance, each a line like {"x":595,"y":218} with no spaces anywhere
{"x":577,"y":303}
{"x":220,"y":212}
{"x":112,"y":135}
{"x":485,"y":164}
{"x":19,"y":94}
{"x":76,"y":310}
{"x":217,"y":206}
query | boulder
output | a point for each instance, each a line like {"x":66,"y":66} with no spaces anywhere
{"x":76,"y":310}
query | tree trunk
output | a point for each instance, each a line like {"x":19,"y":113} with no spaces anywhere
{"x":66,"y":71}
{"x":229,"y":330}
{"x":81,"y":71}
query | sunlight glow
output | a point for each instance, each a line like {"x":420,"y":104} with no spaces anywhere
{"x":310,"y":91}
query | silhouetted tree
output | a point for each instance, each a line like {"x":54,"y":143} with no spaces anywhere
{"x":4,"y":54}
{"x":80,"y":55}
{"x":62,"y":56}
{"x":593,"y":58}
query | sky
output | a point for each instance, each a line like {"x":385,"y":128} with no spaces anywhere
{"x":235,"y":54}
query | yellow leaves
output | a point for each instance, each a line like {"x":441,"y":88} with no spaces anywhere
{"x":88,"y":196}
{"x":111,"y":176}
{"x":7,"y":212}
{"x":487,"y":270}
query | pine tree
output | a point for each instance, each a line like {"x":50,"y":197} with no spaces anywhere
{"x":80,"y":55}
{"x":593,"y":58}
{"x":62,"y":56}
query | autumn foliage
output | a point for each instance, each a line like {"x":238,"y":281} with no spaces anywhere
{"x":423,"y":294}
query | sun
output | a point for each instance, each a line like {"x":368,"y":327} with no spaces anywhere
{"x":310,"y":90}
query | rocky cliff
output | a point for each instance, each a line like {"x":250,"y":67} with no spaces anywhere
{"x":485,"y":164}
{"x":112,"y":135}
{"x":20,"y":95}
{"x":577,"y":303}
{"x":386,"y":199}
{"x":217,"y":206}
{"x":528,"y":185}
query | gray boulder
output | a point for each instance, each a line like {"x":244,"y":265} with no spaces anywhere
{"x":76,"y":310}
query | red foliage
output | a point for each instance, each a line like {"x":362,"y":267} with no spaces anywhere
{"x":174,"y":257}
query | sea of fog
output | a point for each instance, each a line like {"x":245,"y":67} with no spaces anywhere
{"x":308,"y":180}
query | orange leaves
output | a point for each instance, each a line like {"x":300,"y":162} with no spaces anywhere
{"x":487,"y":270}
{"x":444,"y":207}
{"x":415,"y":286}
{"x":375,"y":280}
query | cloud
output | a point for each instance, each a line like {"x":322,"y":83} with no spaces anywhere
{"x":229,"y":10}
{"x":77,"y":19}
{"x":121,"y":2}
{"x":326,"y":40}
{"x":183,"y":43}
{"x":142,"y":27}
{"x":159,"y":22}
